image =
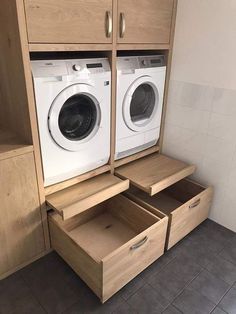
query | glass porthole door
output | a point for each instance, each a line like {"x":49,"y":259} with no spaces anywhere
{"x":74,"y":117}
{"x":140,"y":103}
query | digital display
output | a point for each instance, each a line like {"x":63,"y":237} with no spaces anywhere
{"x":94,"y":65}
{"x":155,"y":61}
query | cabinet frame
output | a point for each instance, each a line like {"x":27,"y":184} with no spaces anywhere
{"x":16,"y":53}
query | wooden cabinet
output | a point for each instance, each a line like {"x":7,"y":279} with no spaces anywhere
{"x":74,"y":21}
{"x":110,"y":243}
{"x":146,"y":21}
{"x":186,"y":203}
{"x":21,"y":231}
{"x":91,"y":21}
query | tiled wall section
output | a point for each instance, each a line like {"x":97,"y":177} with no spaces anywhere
{"x":201,"y":129}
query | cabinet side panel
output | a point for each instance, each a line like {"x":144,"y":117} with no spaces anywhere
{"x":21,"y":232}
{"x":14,"y":113}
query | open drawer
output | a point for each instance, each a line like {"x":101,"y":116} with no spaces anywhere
{"x":186,"y":203}
{"x":155,"y":172}
{"x":79,"y":197}
{"x":109,"y":244}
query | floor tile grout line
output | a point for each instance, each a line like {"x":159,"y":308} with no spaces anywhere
{"x":147,"y":283}
{"x":33,"y":294}
{"x":222,"y":298}
{"x":185,"y":287}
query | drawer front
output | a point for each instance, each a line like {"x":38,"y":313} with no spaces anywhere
{"x":146,"y":21}
{"x":132,"y":259}
{"x":74,"y":21}
{"x":187,"y":217}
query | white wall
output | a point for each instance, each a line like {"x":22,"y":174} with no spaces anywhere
{"x":201,"y":115}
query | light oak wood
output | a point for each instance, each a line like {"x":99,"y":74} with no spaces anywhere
{"x":168,"y":71}
{"x":120,"y":268}
{"x":69,"y":47}
{"x":155,"y":172}
{"x":99,"y":245}
{"x":146,"y":21}
{"x":63,"y":21}
{"x":65,"y":184}
{"x":30,"y":101}
{"x":136,"y":156}
{"x":21,"y":232}
{"x":11,"y":145}
{"x":186,"y":203}
{"x":14,"y":115}
{"x":28,"y":262}
{"x":87,"y":268}
{"x":76,"y":199}
{"x":143,"y":46}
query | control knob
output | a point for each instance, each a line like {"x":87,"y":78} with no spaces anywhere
{"x":76,"y":67}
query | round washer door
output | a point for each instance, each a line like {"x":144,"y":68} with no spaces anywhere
{"x":74,"y":116}
{"x":140,"y":103}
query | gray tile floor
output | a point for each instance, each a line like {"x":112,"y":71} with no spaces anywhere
{"x":196,"y":276}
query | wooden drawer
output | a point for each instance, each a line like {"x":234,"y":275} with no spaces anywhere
{"x":155,"y":172}
{"x":109,"y":244}
{"x":74,"y":21}
{"x":186,"y":203}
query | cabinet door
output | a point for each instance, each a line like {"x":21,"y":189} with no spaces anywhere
{"x":21,"y":231}
{"x":69,"y":21}
{"x":146,"y":21}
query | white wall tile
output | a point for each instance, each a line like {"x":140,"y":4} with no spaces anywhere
{"x":201,"y":129}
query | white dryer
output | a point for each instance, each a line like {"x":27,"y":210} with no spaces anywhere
{"x":73,"y":110}
{"x":140,"y":90}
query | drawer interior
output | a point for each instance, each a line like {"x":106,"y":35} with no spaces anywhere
{"x":172,"y":197}
{"x":104,"y":228}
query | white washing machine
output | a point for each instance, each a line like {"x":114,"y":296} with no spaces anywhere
{"x":140,"y":90}
{"x":73,"y":110}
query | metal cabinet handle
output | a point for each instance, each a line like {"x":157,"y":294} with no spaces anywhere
{"x":122,"y":25}
{"x":140,"y":243}
{"x":195,"y":204}
{"x":108,"y":24}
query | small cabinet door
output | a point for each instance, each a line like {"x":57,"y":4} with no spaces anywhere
{"x":146,"y":21}
{"x":21,"y":231}
{"x":74,"y":21}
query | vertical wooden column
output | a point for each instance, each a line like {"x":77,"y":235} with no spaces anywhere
{"x":113,"y":80}
{"x":32,"y":113}
{"x":169,"y":61}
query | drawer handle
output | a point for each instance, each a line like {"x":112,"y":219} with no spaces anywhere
{"x":109,"y":24}
{"x":140,"y":243}
{"x":195,"y":204}
{"x":122,"y":25}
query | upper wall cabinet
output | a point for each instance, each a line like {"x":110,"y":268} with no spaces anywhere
{"x":74,"y":21}
{"x":144,"y":22}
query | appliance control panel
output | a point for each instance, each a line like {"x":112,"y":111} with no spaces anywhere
{"x":54,"y":68}
{"x":140,"y":62}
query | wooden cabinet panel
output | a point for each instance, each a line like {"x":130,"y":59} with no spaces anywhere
{"x":146,"y":21}
{"x":69,"y":21}
{"x":21,"y":232}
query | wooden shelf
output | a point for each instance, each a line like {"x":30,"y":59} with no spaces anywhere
{"x":11,"y":145}
{"x":78,"y":198}
{"x":69,"y":47}
{"x":155,"y":172}
{"x":143,"y":46}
